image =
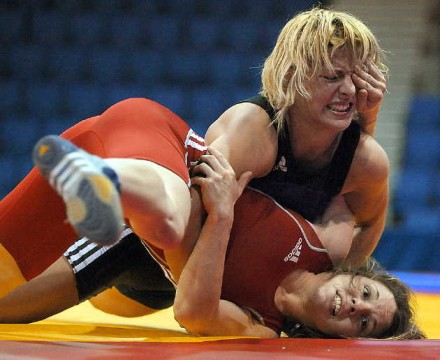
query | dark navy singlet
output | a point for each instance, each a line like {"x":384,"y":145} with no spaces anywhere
{"x":308,"y":193}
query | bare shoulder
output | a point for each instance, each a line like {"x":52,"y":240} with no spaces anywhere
{"x":243,"y":133}
{"x":243,"y":116}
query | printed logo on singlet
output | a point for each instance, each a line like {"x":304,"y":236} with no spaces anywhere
{"x":282,"y":166}
{"x":295,"y":253}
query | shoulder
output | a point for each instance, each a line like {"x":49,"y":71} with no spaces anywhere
{"x":370,"y":162}
{"x":371,"y":154}
{"x":243,"y":133}
{"x":245,"y":115}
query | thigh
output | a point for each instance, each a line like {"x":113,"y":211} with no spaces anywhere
{"x":114,"y":302}
{"x":127,"y":267}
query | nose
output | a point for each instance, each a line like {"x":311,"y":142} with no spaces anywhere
{"x":359,"y":306}
{"x":347,"y":86}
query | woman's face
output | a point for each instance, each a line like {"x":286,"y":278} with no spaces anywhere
{"x":353,"y":307}
{"x":333,"y":96}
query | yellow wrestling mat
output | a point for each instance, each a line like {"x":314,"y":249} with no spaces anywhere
{"x":84,"y":323}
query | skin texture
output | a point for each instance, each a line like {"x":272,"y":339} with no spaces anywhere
{"x":199,"y":275}
{"x":315,"y":125}
{"x":366,"y":306}
{"x":245,"y":138}
{"x":306,"y":296}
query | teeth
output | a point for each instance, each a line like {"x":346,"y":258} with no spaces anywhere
{"x":338,"y":302}
{"x":339,"y":108}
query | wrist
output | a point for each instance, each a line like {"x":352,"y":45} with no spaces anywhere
{"x":221,"y":218}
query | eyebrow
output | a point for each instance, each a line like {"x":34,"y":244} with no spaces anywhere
{"x":377,"y":292}
{"x":377,"y":298}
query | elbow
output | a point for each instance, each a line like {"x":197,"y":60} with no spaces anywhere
{"x":190,"y":320}
{"x":185,"y":316}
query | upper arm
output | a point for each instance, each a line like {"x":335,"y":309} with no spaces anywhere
{"x":226,"y":320}
{"x":368,"y":190}
{"x":367,"y":197}
{"x":244,"y":136}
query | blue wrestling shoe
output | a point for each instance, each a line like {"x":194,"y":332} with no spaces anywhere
{"x":88,"y":186}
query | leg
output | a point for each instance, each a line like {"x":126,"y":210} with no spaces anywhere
{"x":87,"y":270}
{"x":86,"y":184}
{"x":33,"y":226}
{"x":47,"y":294}
{"x":136,"y":283}
{"x":111,"y":301}
{"x":10,"y":275}
{"x":33,"y":229}
{"x":156,"y":201}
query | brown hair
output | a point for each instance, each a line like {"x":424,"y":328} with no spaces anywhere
{"x":403,"y":326}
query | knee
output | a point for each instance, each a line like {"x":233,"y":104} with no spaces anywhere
{"x":166,"y":232}
{"x":170,"y":232}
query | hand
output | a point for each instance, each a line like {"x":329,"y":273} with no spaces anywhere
{"x":218,"y":183}
{"x":372,"y":86}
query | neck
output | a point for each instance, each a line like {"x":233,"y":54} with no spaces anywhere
{"x":313,"y":146}
{"x":292,"y":297}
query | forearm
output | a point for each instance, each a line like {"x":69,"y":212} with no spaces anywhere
{"x":199,"y":288}
{"x":364,"y":242}
{"x":368,"y":120}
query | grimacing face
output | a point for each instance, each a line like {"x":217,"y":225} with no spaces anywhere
{"x":353,"y":307}
{"x":332,"y":102}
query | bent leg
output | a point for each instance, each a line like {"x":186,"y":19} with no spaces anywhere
{"x":33,"y":226}
{"x":155,"y":200}
{"x":113,"y":302}
{"x":122,"y":279}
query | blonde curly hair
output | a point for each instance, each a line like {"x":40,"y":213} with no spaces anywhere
{"x":305,"y":47}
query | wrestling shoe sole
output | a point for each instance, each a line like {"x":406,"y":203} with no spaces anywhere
{"x":92,"y":200}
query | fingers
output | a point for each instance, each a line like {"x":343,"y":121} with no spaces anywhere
{"x":215,"y":163}
{"x":217,"y":158}
{"x":212,"y":164}
{"x":369,"y":78}
{"x":371,"y":84}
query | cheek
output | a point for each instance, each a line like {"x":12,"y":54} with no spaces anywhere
{"x":319,"y":105}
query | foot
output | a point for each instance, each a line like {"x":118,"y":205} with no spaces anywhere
{"x":88,"y":186}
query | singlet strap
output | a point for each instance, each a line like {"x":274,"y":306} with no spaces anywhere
{"x":261,"y":101}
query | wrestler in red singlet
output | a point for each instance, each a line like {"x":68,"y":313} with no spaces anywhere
{"x":32,"y":217}
{"x":267,"y":244}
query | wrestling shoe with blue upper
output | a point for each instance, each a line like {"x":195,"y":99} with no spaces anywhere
{"x":88,"y":186}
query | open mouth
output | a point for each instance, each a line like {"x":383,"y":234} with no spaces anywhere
{"x":338,"y":304}
{"x":341,"y":109}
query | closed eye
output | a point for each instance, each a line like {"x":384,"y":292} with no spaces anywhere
{"x":335,"y":76}
{"x":332,"y":78}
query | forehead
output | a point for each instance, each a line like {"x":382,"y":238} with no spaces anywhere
{"x":344,"y":59}
{"x":384,"y":306}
